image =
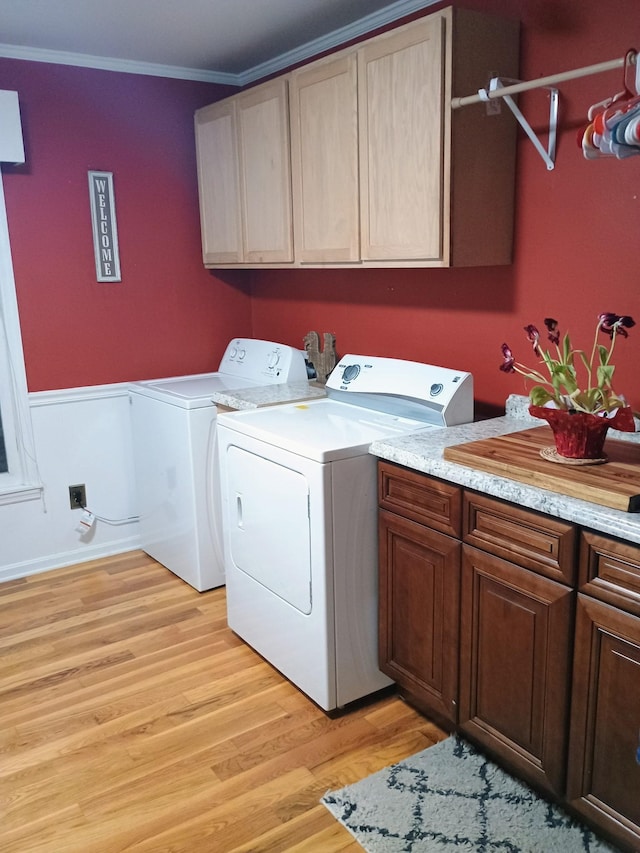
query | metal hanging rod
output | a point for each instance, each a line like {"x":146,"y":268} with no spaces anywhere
{"x":496,"y":89}
{"x":484,"y":95}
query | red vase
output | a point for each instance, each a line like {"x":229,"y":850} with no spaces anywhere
{"x":581,"y":435}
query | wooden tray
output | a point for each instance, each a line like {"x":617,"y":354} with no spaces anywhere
{"x":615,"y":484}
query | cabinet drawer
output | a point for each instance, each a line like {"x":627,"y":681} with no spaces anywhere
{"x":421,"y":498}
{"x":610,"y":570}
{"x":527,"y":538}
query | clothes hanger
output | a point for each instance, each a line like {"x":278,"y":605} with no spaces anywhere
{"x":599,"y":112}
{"x":606,"y":134}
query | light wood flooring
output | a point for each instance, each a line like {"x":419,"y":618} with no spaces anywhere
{"x":132,"y":718}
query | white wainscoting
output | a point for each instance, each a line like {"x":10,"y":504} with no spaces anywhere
{"x":81,"y":435}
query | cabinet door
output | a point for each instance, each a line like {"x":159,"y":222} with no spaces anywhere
{"x":265,"y":172}
{"x":515,"y":642}
{"x":419,"y":599}
{"x":402,"y":142}
{"x":604,"y":773}
{"x":219,"y":183}
{"x":324,"y":155}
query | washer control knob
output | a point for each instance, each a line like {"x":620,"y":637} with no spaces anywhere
{"x":242,"y":354}
{"x":233,"y":353}
{"x":350,"y":372}
{"x":272,"y":359}
{"x":436,"y":388}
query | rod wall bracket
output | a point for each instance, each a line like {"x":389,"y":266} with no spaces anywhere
{"x":548,"y":154}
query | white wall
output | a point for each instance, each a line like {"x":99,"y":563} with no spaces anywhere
{"x":81,"y":435}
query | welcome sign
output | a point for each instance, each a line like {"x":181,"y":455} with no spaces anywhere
{"x":103,"y":221}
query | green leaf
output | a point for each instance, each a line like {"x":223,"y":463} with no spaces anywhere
{"x":584,"y":360}
{"x":539,"y":395}
{"x":586,"y":401}
{"x":549,"y":362}
{"x":605,"y":373}
{"x":564,"y":378}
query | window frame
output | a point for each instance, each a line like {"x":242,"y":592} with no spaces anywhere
{"x":22,"y":481}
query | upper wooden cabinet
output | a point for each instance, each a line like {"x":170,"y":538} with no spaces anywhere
{"x":219,"y":184}
{"x":401,"y":97}
{"x":324,"y":160}
{"x":244,"y":178}
{"x":384,"y":174}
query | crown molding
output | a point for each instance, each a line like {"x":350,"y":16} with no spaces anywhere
{"x":106,"y":63}
{"x":371,"y":22}
{"x":365,"y":25}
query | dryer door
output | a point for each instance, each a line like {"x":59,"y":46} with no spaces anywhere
{"x":269,"y":529}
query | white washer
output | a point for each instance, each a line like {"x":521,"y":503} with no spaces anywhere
{"x":299,"y":500}
{"x":173,"y":424}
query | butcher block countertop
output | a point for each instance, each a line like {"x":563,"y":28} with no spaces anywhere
{"x":518,"y":457}
{"x":425,"y":451}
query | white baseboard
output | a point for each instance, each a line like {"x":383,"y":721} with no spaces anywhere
{"x":68,"y":558}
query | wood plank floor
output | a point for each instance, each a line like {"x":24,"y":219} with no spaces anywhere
{"x":132,"y":718}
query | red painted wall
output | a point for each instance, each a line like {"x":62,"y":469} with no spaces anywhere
{"x":577,"y":236}
{"x":577,"y":232}
{"x":168,"y":315}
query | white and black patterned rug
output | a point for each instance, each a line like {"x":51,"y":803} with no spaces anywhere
{"x":450,"y":797}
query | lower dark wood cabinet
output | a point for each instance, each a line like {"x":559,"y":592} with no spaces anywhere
{"x":515,"y":639}
{"x":419,"y":603}
{"x":521,"y":631}
{"x":604,"y":763}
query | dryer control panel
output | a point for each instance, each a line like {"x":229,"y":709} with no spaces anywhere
{"x":435,"y":394}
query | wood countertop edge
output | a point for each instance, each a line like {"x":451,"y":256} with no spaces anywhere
{"x":612,"y":484}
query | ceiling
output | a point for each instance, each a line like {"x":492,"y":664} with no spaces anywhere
{"x":221,"y":41}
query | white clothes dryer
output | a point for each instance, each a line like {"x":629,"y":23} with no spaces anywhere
{"x":299,"y":502}
{"x":173,"y":422}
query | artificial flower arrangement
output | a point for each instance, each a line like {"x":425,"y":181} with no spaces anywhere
{"x":562,"y":387}
{"x":593,"y":403}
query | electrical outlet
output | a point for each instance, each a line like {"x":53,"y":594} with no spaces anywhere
{"x":77,"y":496}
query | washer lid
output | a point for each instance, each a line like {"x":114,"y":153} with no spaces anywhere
{"x":320,"y":430}
{"x":190,"y":392}
{"x":246,"y":363}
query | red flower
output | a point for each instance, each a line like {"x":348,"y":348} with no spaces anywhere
{"x":509,"y":360}
{"x":552,"y":328}
{"x":534,"y":336}
{"x":613,"y":324}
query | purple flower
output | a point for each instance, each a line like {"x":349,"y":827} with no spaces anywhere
{"x":552,"y":328}
{"x":509,"y":360}
{"x":534,"y":336}
{"x":612,"y":324}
